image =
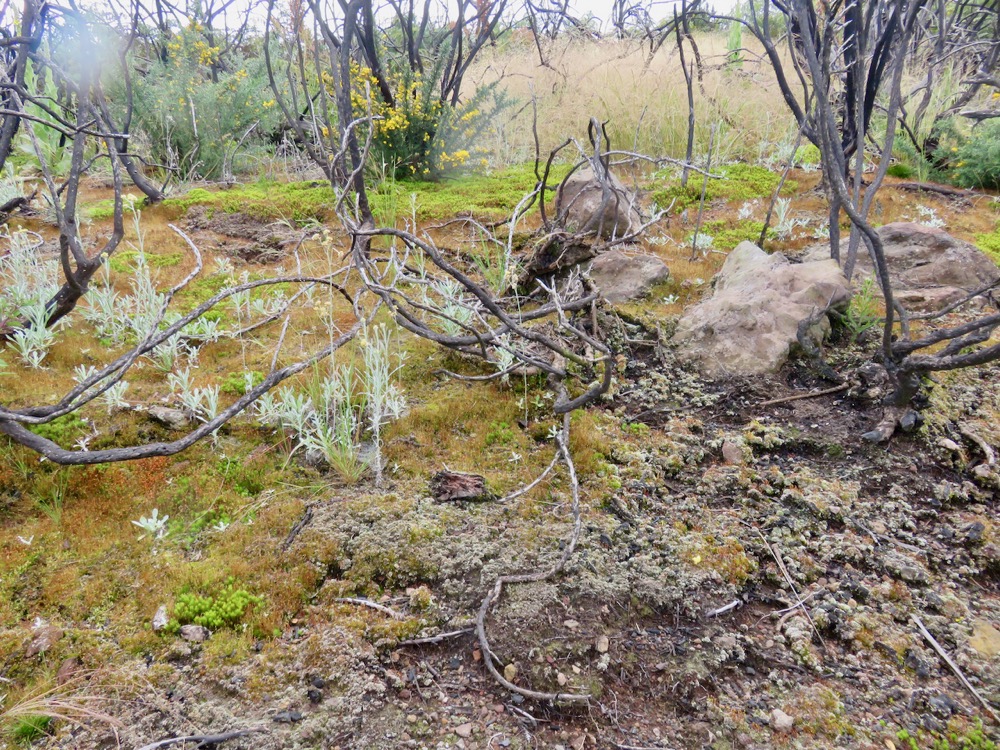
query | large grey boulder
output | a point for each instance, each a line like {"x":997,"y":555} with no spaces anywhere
{"x":750,"y":324}
{"x":620,"y":277}
{"x":928,"y":267}
{"x":585,"y":204}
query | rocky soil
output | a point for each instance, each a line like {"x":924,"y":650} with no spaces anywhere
{"x":758,"y":578}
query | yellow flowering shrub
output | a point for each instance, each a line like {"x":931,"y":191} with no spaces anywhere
{"x":417,"y":135}
{"x":195,"y":106}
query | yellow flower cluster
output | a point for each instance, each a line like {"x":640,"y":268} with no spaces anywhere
{"x":454,"y":159}
{"x":207,"y":55}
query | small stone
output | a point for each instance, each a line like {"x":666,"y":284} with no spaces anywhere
{"x":314,"y":695}
{"x":464,"y":730}
{"x":175,"y":419}
{"x":942,"y":705}
{"x":577,"y":741}
{"x":561,"y":679}
{"x":973,"y":533}
{"x":603,"y":644}
{"x":985,"y":639}
{"x":318,"y":682}
{"x":731,"y":453}
{"x":910,"y":421}
{"x":949,"y":445}
{"x":780,"y":721}
{"x":510,"y":672}
{"x":45,"y":638}
{"x":571,"y":624}
{"x":67,"y":670}
{"x":411,"y":718}
{"x":160,"y":619}
{"x":287,"y":717}
{"x":195,"y":633}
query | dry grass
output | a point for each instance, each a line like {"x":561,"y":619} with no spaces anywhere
{"x":73,"y":702}
{"x":645,"y":104}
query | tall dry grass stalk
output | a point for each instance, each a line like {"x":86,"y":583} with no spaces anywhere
{"x":645,"y":105}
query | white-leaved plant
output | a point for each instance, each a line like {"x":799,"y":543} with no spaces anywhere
{"x":385,"y":401}
{"x":154,"y":525}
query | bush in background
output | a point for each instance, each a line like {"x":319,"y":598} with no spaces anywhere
{"x":195,"y":108}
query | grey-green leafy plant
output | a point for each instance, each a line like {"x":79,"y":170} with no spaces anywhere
{"x":863,"y":312}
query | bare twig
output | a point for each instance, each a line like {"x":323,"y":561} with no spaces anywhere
{"x":954,"y":668}
{"x":534,"y":483}
{"x":723,"y":609}
{"x":801,"y":396}
{"x":204,"y":739}
{"x":439,"y":638}
{"x":799,"y":601}
{"x":373,"y":605}
{"x":541,"y":575}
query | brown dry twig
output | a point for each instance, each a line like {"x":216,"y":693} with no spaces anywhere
{"x":203,"y":739}
{"x":801,"y":396}
{"x":954,"y":668}
{"x":439,"y":638}
{"x":542,"y":575}
{"x":799,"y":601}
{"x":373,"y":605}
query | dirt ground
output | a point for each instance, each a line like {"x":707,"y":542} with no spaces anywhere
{"x":750,"y":572}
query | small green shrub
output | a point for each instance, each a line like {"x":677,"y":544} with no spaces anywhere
{"x":208,"y":519}
{"x":500,"y":434}
{"x":726,"y":238}
{"x":973,"y":739}
{"x":975,"y":162}
{"x":246,"y":479}
{"x":900,"y":170}
{"x":420,"y":136}
{"x":863,"y":313}
{"x":195,"y":106}
{"x":224,"y":608}
{"x":807,"y":156}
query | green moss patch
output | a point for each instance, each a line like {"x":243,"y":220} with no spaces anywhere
{"x":494,"y":195}
{"x":265,"y":201}
{"x":123,"y":261}
{"x":224,"y":607}
{"x":726,"y":235}
{"x":738,"y":182}
{"x":990,"y":244}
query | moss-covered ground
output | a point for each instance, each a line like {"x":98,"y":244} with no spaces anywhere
{"x":263,"y":544}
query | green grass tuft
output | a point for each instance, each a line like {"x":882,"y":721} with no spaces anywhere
{"x":27,"y":729}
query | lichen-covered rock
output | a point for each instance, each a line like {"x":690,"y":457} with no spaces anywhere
{"x":928,"y":267}
{"x":751,"y":323}
{"x":586,"y":204}
{"x":620,"y":277}
{"x":175,"y":419}
{"x":195,"y":633}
